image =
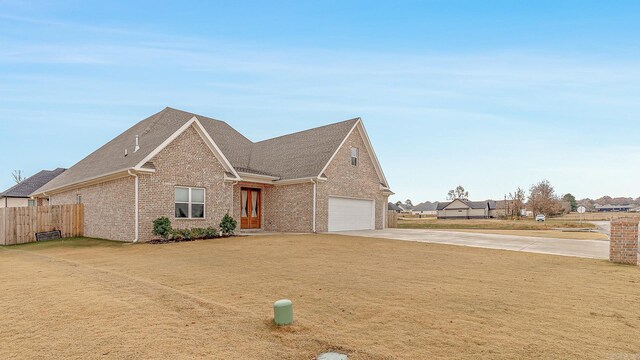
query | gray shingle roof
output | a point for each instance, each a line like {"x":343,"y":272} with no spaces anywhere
{"x":471,"y":204}
{"x":29,"y":185}
{"x":426,"y":206}
{"x":292,"y":156}
{"x":393,"y":207}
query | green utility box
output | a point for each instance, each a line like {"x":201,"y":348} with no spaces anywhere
{"x":283,"y":312}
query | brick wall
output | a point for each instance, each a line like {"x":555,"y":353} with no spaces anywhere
{"x":287,"y":208}
{"x":290,"y":208}
{"x":108,"y":208}
{"x":187,"y":161}
{"x":347,"y":180}
{"x":623,"y":247}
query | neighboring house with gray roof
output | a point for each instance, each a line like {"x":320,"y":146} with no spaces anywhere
{"x":465,"y":209}
{"x":393,"y":207}
{"x":405,"y":207}
{"x":194,"y":169}
{"x":613,"y":208}
{"x":426,"y":208}
{"x":19,"y":194}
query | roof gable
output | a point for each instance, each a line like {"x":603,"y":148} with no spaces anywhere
{"x":299,"y":155}
{"x":302,"y":154}
{"x":466,"y":204}
{"x":456,"y":204}
{"x":367,"y":142}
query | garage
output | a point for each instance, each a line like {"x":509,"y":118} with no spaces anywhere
{"x":351,"y":214}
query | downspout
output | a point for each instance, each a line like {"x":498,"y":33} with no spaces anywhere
{"x":136,"y":209}
{"x":315,"y":197}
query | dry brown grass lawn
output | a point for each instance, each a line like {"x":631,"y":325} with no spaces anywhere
{"x":374,"y":299}
{"x":541,"y":233}
{"x":490,"y":224}
{"x":603,"y":216}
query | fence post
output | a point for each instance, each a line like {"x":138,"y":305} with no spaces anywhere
{"x":392,"y":219}
{"x":3,"y":227}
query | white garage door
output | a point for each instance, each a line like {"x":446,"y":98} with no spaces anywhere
{"x":351,"y":214}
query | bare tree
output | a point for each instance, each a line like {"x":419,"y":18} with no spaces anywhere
{"x":458,"y":193}
{"x":517,"y":201}
{"x":543,"y":199}
{"x":17,"y":176}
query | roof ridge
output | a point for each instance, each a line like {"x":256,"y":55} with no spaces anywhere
{"x":210,"y":118}
{"x":307,"y":130}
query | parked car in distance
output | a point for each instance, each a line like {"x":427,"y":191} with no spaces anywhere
{"x":541,"y":217}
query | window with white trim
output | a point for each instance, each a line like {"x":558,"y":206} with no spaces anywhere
{"x":189,"y":203}
{"x":31,"y":202}
{"x":355,"y":153}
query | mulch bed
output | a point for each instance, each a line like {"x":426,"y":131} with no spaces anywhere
{"x":171,"y":241}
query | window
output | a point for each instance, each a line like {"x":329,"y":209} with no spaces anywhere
{"x":78,"y":199}
{"x":31,"y":202}
{"x":354,"y":156}
{"x":189,"y":203}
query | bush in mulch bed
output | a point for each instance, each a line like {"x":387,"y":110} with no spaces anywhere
{"x":162,"y":227}
{"x":180,"y":235}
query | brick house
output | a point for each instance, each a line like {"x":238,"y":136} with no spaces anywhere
{"x":193,"y":170}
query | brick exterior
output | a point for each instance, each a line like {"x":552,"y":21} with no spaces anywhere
{"x":187,"y":161}
{"x":347,"y":180}
{"x":623,"y":246}
{"x":287,"y":208}
{"x":108,"y":208}
{"x":290,"y":208}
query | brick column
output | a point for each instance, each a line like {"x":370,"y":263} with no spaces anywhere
{"x":623,"y":247}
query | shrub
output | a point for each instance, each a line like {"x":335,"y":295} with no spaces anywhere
{"x":211,"y":233}
{"x":198,"y":233}
{"x":176,"y":235}
{"x":181,"y":234}
{"x":228,"y":225}
{"x":162,"y":227}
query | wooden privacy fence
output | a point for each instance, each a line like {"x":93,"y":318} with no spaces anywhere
{"x":19,"y":225}
{"x":392,"y":219}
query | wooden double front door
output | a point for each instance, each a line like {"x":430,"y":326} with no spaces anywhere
{"x":251,"y":208}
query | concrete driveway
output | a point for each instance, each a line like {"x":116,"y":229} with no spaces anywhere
{"x":594,"y":249}
{"x":604,"y":227}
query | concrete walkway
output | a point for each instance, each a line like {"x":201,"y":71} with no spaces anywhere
{"x":594,"y":249}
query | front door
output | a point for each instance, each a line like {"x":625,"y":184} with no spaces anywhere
{"x":251,"y":208}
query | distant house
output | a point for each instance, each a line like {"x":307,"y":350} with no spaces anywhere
{"x":394,"y":207}
{"x":465,"y":209}
{"x":613,"y":208}
{"x":18,"y":195}
{"x":426,"y":208}
{"x":406,"y":207}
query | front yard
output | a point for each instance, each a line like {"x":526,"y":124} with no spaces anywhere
{"x":373,"y":299}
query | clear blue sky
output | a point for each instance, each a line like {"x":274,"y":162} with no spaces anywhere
{"x":487,"y":94}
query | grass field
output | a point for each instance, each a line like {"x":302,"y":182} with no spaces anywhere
{"x":598,"y":216}
{"x":542,"y":233}
{"x":490,"y":224}
{"x":372,"y":299}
